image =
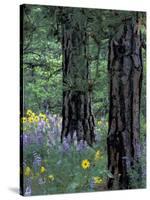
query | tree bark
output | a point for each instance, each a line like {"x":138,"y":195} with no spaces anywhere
{"x":125,"y":71}
{"x":77,"y":111}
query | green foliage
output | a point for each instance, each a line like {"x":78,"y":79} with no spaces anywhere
{"x":138,"y":174}
{"x":100,"y":96}
{"x":41,"y":76}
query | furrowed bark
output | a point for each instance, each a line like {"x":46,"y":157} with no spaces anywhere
{"x":77,"y":112}
{"x":125,"y":71}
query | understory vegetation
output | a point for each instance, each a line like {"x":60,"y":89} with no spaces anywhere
{"x":52,"y":167}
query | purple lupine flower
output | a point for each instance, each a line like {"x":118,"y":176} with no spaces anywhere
{"x":98,"y":137}
{"x":55,"y":130}
{"x":81,"y":145}
{"x":75,"y":135}
{"x":24,"y":164}
{"x":29,"y":139}
{"x":52,"y":121}
{"x":39,"y":138}
{"x":35,"y":166}
{"x":69,"y":138}
{"x":29,"y":181}
{"x":36,"y":162}
{"x":41,"y":124}
{"x":25,"y":139}
{"x":41,"y":181}
{"x":66,"y":145}
{"x":28,"y":191}
{"x":74,"y":138}
{"x":92,"y":184}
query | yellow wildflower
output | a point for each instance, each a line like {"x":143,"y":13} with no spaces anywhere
{"x":23,"y":119}
{"x":97,"y":180}
{"x":47,"y":120}
{"x":97,"y":155}
{"x":42,"y":116}
{"x":29,"y":112}
{"x":27,"y":171}
{"x":33,"y":115}
{"x":36,"y":118}
{"x":30,"y":120}
{"x":99,"y":122}
{"x":51,"y":177}
{"x":85,"y":164}
{"x":42,"y":170}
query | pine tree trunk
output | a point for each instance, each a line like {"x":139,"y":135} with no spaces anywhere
{"x":125,"y":70}
{"x":77,"y":112}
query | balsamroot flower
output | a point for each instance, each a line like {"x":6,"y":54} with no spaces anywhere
{"x":29,"y":112}
{"x":36,"y":119}
{"x":85,"y":164}
{"x":97,"y":180}
{"x":99,"y":122}
{"x":42,"y":116}
{"x":23,"y":120}
{"x":30,"y":120}
{"x":42,"y":170}
{"x":51,"y":177}
{"x":27,"y":171}
{"x":98,"y":155}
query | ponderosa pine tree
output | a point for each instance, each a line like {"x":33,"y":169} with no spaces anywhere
{"x":77,"y":111}
{"x":125,"y":72}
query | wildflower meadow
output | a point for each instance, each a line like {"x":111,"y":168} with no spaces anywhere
{"x":52,"y":167}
